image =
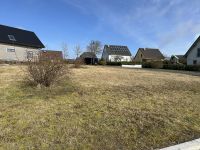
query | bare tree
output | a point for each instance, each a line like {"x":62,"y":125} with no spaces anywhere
{"x":65,"y":50}
{"x":95,"y":47}
{"x":77,"y":50}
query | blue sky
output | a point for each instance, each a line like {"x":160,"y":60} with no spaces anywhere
{"x":171,"y":25}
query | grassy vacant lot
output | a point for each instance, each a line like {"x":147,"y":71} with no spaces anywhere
{"x":100,"y":108}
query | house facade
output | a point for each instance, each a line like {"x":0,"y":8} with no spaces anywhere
{"x":148,"y":54}
{"x":18,"y":45}
{"x":114,"y":53}
{"x":193,"y":54}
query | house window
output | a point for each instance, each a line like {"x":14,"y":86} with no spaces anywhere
{"x":10,"y":50}
{"x":11,"y":38}
{"x":29,"y":55}
{"x":198,"y":52}
{"x":194,"y":62}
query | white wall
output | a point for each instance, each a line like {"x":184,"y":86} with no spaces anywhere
{"x":193,"y":55}
{"x":112,"y":58}
{"x":20,"y":53}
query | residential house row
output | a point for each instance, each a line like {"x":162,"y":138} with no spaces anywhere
{"x":23,"y":45}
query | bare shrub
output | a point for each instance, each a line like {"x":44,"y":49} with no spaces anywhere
{"x":102,"y":62}
{"x":157,"y":64}
{"x":46,"y":72}
{"x":78,"y":63}
{"x":2,"y":62}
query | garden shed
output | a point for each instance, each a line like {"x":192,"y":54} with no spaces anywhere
{"x":89,"y":58}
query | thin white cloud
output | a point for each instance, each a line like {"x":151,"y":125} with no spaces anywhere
{"x":153,"y":23}
{"x":77,"y":4}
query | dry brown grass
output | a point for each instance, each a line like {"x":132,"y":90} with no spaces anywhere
{"x":100,"y":108}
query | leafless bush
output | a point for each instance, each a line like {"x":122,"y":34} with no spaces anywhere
{"x":157,"y":64}
{"x":46,"y":72}
{"x":2,"y":62}
{"x":78,"y":63}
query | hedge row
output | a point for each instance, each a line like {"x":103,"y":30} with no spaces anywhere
{"x":9,"y":62}
{"x":157,"y":65}
{"x":114,"y":63}
{"x":120,"y":63}
{"x":153,"y":64}
{"x":183,"y":67}
{"x":160,"y":65}
{"x":193,"y":68}
{"x":174,"y":66}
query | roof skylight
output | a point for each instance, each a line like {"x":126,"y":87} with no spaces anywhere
{"x":11,"y":38}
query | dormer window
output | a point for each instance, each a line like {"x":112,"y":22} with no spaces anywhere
{"x":11,"y":38}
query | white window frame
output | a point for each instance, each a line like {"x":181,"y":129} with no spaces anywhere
{"x":28,"y":54}
{"x":12,"y":38}
{"x":10,"y":50}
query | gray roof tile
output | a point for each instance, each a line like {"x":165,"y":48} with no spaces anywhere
{"x":117,"y":50}
{"x":150,"y":53}
{"x":22,"y":37}
{"x":88,"y":55}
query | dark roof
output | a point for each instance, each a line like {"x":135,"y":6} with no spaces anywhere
{"x":150,"y":53}
{"x":179,"y":56}
{"x":193,"y":45}
{"x":88,"y":55}
{"x":23,"y":37}
{"x":117,"y":50}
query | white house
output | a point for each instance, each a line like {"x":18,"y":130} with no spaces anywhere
{"x":193,"y":54}
{"x":18,"y":45}
{"x":114,"y":53}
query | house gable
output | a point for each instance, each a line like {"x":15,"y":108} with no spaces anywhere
{"x":193,"y":46}
{"x":18,"y":44}
{"x":148,"y":54}
{"x":113,"y":53}
{"x":192,"y":54}
{"x":139,"y":55}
